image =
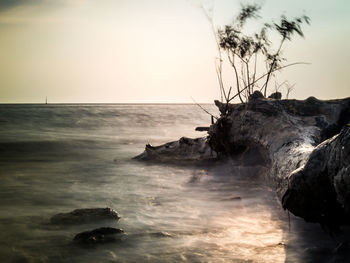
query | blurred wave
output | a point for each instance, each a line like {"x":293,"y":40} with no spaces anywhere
{"x":56,"y":158}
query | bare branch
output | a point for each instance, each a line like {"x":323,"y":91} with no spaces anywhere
{"x":264,"y":75}
{"x":204,"y":109}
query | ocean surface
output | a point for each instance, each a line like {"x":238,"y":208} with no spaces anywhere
{"x":57,"y":158}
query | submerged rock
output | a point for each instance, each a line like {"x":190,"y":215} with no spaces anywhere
{"x":99,"y":235}
{"x":85,"y":215}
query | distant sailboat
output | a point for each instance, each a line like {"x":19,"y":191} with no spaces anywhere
{"x":46,"y":100}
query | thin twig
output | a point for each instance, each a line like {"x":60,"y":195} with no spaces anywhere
{"x":282,"y":67}
{"x":232,"y":61}
{"x":272,"y":66}
{"x":219,"y":67}
{"x":203,"y":108}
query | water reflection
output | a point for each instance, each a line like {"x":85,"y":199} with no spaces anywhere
{"x":81,"y":157}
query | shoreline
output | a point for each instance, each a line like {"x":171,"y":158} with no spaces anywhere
{"x":282,"y":134}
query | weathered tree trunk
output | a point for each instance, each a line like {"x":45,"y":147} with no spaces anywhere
{"x":312,"y":178}
{"x":312,"y":183}
{"x":319,"y":191}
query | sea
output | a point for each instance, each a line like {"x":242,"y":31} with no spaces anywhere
{"x":55,"y":158}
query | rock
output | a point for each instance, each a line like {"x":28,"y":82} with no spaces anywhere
{"x":86,"y":215}
{"x":276,"y":96}
{"x":99,"y":235}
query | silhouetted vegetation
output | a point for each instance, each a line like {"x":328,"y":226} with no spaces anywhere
{"x":245,"y":52}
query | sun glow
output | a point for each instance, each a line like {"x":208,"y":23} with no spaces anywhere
{"x":154,"y":51}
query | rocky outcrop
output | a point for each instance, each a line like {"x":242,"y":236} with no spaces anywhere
{"x":311,"y":177}
{"x":99,"y":235}
{"x":86,"y":215}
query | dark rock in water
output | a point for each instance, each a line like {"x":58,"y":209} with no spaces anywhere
{"x":99,"y":235}
{"x":86,"y":215}
{"x":256,"y":95}
{"x":276,"y":96}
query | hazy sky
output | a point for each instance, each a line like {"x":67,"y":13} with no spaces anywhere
{"x":152,"y":50}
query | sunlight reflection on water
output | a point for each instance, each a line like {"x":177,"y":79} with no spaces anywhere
{"x":59,"y":158}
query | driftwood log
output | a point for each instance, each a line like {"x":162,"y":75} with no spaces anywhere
{"x":304,"y":143}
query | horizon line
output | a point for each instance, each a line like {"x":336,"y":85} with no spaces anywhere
{"x":110,"y":103}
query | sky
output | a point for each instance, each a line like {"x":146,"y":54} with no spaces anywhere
{"x":154,"y":51}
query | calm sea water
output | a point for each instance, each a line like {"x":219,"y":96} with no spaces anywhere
{"x":57,"y":158}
